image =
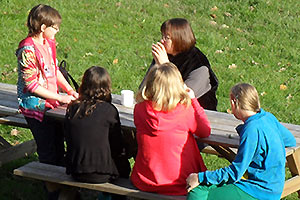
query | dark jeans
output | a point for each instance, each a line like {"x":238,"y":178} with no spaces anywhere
{"x":49,"y":138}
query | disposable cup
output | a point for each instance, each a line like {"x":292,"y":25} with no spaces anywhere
{"x":127,"y":97}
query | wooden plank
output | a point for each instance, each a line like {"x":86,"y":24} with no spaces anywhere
{"x":8,"y":87}
{"x":57,"y":174}
{"x":19,"y":151}
{"x":291,"y":186}
{"x":4,"y":144}
{"x":18,"y":121}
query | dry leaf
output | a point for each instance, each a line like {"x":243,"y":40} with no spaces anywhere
{"x":254,"y":63}
{"x":251,"y":8}
{"x":166,"y":5}
{"x":228,"y":111}
{"x":115,"y":26}
{"x":227,"y":14}
{"x":283,"y":87}
{"x":75,"y":39}
{"x":224,"y":26}
{"x":263,"y":93}
{"x":213,"y":23}
{"x":289,"y":97}
{"x":219,"y":51}
{"x":118,"y":4}
{"x":16,"y":143}
{"x":232,"y":66}
{"x":239,"y":30}
{"x":115,"y":61}
{"x":88,"y":54}
{"x":282,"y":69}
{"x":15,"y":69}
{"x":214,"y":8}
{"x":213,"y":16}
{"x":14,"y":132}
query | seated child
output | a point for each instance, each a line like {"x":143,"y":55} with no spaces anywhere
{"x":167,"y":116}
{"x":258,"y":171}
{"x":93,"y":134}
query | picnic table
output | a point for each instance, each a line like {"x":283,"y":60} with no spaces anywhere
{"x":223,"y":139}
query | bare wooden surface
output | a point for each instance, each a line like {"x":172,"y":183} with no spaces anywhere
{"x":51,"y":173}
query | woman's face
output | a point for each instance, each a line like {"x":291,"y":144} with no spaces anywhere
{"x":167,"y":42}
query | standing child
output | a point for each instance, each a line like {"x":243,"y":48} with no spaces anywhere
{"x":38,"y":81}
{"x":167,"y":117}
{"x":258,"y":171}
{"x":95,"y":149}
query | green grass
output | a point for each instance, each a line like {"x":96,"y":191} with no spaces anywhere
{"x":260,"y":37}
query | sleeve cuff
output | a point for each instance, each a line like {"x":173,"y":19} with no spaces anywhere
{"x":201,"y":177}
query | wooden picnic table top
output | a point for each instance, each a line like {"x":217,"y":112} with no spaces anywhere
{"x":223,"y":124}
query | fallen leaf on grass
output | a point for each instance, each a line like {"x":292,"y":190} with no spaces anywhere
{"x":214,"y":8}
{"x":87,"y":54}
{"x":228,"y":111}
{"x":263,"y":94}
{"x":289,"y":97}
{"x":166,"y":5}
{"x":254,"y":63}
{"x":282,"y":69}
{"x":232,"y":66}
{"x":14,"y":132}
{"x":283,"y":87}
{"x":213,"y":16}
{"x":213,"y":23}
{"x":115,"y":61}
{"x":219,"y":51}
{"x":227,"y":14}
{"x":118,"y":4}
{"x":224,"y":26}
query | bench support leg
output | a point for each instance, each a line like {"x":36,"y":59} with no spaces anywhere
{"x":293,"y":184}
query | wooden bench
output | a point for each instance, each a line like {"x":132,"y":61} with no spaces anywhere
{"x":56,"y":174}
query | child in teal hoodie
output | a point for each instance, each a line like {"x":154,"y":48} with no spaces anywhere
{"x":258,"y":171}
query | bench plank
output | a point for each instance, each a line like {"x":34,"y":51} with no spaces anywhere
{"x":56,"y":174}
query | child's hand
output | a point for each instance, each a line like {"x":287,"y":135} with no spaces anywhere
{"x":192,"y":181}
{"x":66,"y":99}
{"x":73,"y":93}
{"x":189,"y":91}
{"x":159,"y":53}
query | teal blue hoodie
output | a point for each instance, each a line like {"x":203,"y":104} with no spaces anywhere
{"x":260,"y":159}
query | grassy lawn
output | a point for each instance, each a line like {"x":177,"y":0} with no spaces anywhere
{"x":254,"y":41}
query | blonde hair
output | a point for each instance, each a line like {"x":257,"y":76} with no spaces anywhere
{"x":245,"y":97}
{"x":164,"y":86}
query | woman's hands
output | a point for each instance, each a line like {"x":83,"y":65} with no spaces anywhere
{"x":192,"y":181}
{"x":159,"y":53}
{"x":189,"y":91}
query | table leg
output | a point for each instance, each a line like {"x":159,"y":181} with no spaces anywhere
{"x":293,"y":184}
{"x":226,"y":152}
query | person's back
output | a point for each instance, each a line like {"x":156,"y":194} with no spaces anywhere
{"x":167,"y":150}
{"x":88,"y":142}
{"x":258,"y":170}
{"x":267,"y":168}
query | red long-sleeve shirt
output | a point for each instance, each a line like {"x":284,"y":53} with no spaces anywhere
{"x":167,"y":150}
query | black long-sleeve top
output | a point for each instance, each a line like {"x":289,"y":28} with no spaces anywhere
{"x":93,"y":141}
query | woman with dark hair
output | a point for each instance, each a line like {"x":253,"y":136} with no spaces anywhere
{"x":95,"y":148}
{"x":178,"y":46}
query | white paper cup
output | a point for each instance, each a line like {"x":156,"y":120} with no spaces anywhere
{"x":127,"y":98}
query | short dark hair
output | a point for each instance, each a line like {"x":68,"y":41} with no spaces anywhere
{"x":42,"y":14}
{"x":181,"y":34}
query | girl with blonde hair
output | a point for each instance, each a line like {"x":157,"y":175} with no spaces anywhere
{"x":167,"y":116}
{"x":258,"y":171}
